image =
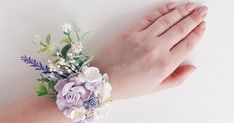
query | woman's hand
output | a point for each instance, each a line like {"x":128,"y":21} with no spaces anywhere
{"x":147,"y":57}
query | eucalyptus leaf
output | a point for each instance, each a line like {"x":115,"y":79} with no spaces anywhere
{"x":65,"y":50}
{"x":81,"y":60}
{"x":44,"y":49}
{"x":41,"y":90}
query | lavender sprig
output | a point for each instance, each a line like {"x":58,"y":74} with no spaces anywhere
{"x":36,"y":64}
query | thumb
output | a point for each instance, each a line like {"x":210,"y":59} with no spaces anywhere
{"x":177,"y":77}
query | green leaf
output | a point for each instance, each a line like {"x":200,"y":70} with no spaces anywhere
{"x":41,"y":90}
{"x":51,"y":84}
{"x":48,"y":39}
{"x":42,"y":44}
{"x":65,"y":50}
{"x":82,"y":59}
{"x":44,"y":49}
{"x":66,"y":40}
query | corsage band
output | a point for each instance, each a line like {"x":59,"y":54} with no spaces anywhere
{"x":81,"y":92}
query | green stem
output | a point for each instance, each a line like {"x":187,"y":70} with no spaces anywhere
{"x":78,"y":37}
{"x":69,"y":38}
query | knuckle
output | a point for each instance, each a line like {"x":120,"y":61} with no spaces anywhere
{"x":196,"y":17}
{"x":134,"y":39}
{"x":165,"y":22}
{"x":179,"y":28}
{"x":150,"y":18}
{"x":182,"y":12}
{"x":161,"y":10}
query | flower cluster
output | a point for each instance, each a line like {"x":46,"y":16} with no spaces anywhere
{"x":80,"y":90}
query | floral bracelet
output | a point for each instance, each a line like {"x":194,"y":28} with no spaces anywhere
{"x":81,"y":92}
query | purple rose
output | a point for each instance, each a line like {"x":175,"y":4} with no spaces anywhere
{"x":71,"y":92}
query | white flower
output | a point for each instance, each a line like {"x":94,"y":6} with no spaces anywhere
{"x":69,"y":54}
{"x":67,"y":28}
{"x":102,"y":112}
{"x":57,"y":53}
{"x":105,"y":93}
{"x":76,"y":114}
{"x":90,"y":74}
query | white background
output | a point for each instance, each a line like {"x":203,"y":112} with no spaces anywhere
{"x":206,"y":97}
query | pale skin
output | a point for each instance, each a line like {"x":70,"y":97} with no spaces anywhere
{"x":143,"y":59}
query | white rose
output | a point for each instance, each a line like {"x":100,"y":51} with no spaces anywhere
{"x":76,"y":114}
{"x":106,"y":91}
{"x":102,"y":112}
{"x":90,"y":74}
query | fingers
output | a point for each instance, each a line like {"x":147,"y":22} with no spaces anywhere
{"x":177,"y":77}
{"x":185,"y":46}
{"x":165,"y":22}
{"x":184,"y":27}
{"x":153,"y":16}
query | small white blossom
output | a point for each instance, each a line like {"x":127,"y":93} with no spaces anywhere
{"x":69,"y":71}
{"x":69,"y":54}
{"x":72,"y":61}
{"x":60,"y":72}
{"x":57,"y":53}
{"x":67,"y":28}
{"x":49,"y":61}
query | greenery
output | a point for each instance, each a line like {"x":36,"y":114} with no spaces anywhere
{"x":64,"y":60}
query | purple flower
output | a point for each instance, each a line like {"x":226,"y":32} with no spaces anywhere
{"x":71,"y":92}
{"x":92,"y":103}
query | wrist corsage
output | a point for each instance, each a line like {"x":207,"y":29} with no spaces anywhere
{"x":81,"y":92}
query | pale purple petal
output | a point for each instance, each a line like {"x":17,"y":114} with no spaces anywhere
{"x":86,"y":95}
{"x":78,"y":89}
{"x":59,"y":85}
{"x":67,"y":88}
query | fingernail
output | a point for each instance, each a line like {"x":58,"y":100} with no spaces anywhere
{"x":171,"y":5}
{"x":202,"y":10}
{"x":190,"y":6}
{"x":203,"y":25}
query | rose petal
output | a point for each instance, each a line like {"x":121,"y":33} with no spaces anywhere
{"x":59,"y":86}
{"x":86,"y":95}
{"x":78,"y":89}
{"x":82,"y":77}
{"x":67,"y":88}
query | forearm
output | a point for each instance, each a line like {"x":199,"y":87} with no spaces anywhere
{"x":33,"y":110}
